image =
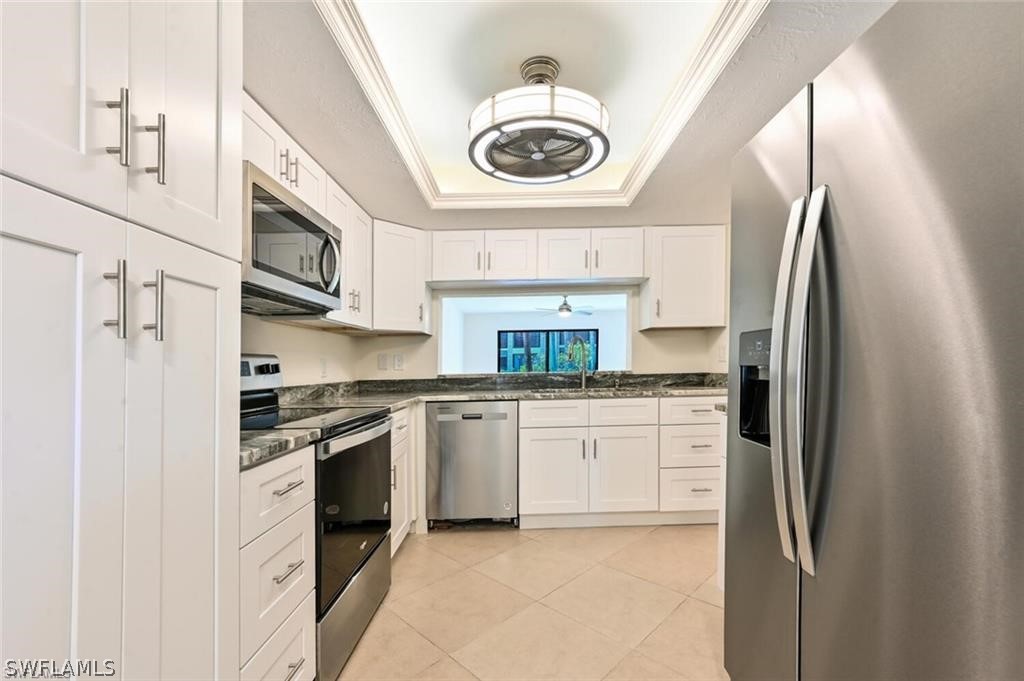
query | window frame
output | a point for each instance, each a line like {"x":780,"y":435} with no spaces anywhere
{"x":546,"y":346}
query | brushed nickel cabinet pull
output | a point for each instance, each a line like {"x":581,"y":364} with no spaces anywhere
{"x":421,"y":312}
{"x":293,"y":669}
{"x":295,"y":484}
{"x":157,"y":327}
{"x":596,"y":254}
{"x":124,"y":129}
{"x":700,"y":446}
{"x":295,"y":167}
{"x":160,"y":169}
{"x":595,"y":449}
{"x":478,"y":260}
{"x":657,"y":307}
{"x":122,"y":299}
{"x":286,"y":157}
{"x":583,"y":449}
{"x":394,"y":477}
{"x":586,"y":259}
{"x":488,"y":261}
{"x":700,"y":489}
{"x":292,"y":567}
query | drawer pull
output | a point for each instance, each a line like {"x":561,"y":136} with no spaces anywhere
{"x":288,"y":488}
{"x":700,"y":489}
{"x":294,"y":668}
{"x":402,"y":427}
{"x":292,"y":567}
{"x":702,"y":411}
{"x":700,"y":446}
{"x":394,"y":477}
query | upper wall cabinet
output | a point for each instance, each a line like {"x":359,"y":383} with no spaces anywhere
{"x":131,"y":107}
{"x":400,"y":261}
{"x":272,"y":150}
{"x":457,"y":255}
{"x":356,"y":254}
{"x":604,"y":253}
{"x":687,"y":270}
{"x":612,"y":253}
{"x":511,"y":254}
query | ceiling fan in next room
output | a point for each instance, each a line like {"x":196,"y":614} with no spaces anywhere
{"x":567,"y":310}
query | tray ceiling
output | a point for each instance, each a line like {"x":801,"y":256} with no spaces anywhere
{"x":424,"y":66}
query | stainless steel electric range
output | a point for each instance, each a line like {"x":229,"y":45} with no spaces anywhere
{"x":353,"y":498}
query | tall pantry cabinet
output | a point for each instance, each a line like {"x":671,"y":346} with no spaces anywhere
{"x":119,"y":335}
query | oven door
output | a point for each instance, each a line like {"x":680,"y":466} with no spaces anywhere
{"x":353,"y":498}
{"x":289,"y":249}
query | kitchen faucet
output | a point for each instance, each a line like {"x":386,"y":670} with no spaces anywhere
{"x":577,"y":340}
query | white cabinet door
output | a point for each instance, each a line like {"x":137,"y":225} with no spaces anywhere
{"x":401,"y":505}
{"x":360,"y":265}
{"x":563,"y":254}
{"x":617,"y":253}
{"x":61,"y":63}
{"x":553,"y":470}
{"x":338,"y":207}
{"x":511,"y":254}
{"x":308,"y":178}
{"x":62,"y":442}
{"x":291,"y":652}
{"x":186,"y":64}
{"x":181,"y":473}
{"x":264,"y":142}
{"x":687,"y":269}
{"x":624,"y":468}
{"x":399,"y":278}
{"x":457,"y":255}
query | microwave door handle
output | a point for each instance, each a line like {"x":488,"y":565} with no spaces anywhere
{"x":336,"y":277}
{"x":796,"y":375}
{"x":353,"y":439}
{"x":775,"y":377}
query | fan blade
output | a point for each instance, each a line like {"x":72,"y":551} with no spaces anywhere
{"x":545,"y":309}
{"x":582,"y":312}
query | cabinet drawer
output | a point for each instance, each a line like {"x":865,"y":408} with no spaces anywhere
{"x":683,"y":410}
{"x":399,"y":426}
{"x":273,"y":491}
{"x":690,"y":489}
{"x":553,"y":413}
{"x":642,"y":411}
{"x":277,"y":572}
{"x":689,"y":446}
{"x":291,"y":650}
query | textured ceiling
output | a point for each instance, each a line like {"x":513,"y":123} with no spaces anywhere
{"x":294,"y":68}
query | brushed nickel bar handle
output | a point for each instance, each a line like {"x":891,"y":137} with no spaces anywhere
{"x":295,"y":166}
{"x":421,"y":312}
{"x":122,"y":299}
{"x":701,"y":489}
{"x":595,"y":449}
{"x":586,"y":259}
{"x":597,"y":254}
{"x":488,"y":261}
{"x":701,"y":446}
{"x":478,"y":260}
{"x":161,"y":148}
{"x":292,"y":567}
{"x":157,"y":327}
{"x":657,"y":307}
{"x":294,"y":669}
{"x":124,"y":129}
{"x":283,"y":173}
{"x":359,"y":300}
{"x":701,"y":411}
{"x":295,"y":484}
{"x":394,"y":477}
{"x":583,"y":449}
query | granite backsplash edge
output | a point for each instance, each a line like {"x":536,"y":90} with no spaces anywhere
{"x":304,"y":394}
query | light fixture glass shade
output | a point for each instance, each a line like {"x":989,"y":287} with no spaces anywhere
{"x":549,"y":116}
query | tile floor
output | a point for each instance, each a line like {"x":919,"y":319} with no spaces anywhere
{"x":598,"y":603}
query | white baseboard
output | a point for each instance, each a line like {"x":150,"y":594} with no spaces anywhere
{"x":540,"y":522}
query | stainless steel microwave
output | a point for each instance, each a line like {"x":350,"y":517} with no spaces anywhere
{"x":291,"y":255}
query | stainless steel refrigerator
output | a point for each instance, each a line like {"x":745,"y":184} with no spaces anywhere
{"x":875,"y":521}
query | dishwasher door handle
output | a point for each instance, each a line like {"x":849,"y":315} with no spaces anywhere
{"x":475,"y":416}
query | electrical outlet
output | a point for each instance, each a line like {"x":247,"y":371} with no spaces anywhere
{"x":398,"y":361}
{"x":323,"y":367}
{"x":721,"y":353}
{"x":382,"y":361}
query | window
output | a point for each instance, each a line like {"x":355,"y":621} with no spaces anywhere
{"x":545,"y":350}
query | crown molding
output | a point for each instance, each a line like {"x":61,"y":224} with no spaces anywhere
{"x":731,"y":26}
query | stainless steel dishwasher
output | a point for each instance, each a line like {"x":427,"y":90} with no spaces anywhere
{"x":473,"y":461}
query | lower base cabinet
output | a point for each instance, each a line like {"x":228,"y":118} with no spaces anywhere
{"x":401,"y":503}
{"x":290,"y":653}
{"x":690,"y":489}
{"x":581,"y":470}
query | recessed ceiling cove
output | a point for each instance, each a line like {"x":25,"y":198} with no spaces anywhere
{"x":426,"y":67}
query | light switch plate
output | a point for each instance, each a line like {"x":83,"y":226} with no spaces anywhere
{"x":382,"y":361}
{"x":398,"y":362}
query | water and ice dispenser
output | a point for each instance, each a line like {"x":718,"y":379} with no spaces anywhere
{"x":754,"y":352}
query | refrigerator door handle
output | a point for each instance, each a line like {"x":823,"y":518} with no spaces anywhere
{"x":775,"y":376}
{"x":796,"y":378}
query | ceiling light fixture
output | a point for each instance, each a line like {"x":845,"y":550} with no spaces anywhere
{"x":538,"y":133}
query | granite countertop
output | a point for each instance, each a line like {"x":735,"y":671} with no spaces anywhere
{"x":397,"y":401}
{"x":260,"y":446}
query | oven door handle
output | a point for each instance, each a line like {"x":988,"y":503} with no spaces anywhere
{"x":329,"y":448}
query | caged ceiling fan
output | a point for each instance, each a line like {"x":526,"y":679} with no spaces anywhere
{"x":567,"y":310}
